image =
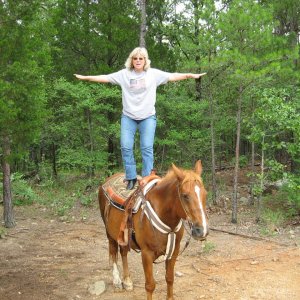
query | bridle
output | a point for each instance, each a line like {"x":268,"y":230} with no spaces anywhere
{"x":179,"y":185}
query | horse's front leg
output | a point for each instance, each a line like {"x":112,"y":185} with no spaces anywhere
{"x":147,"y":259}
{"x":127,"y":282}
{"x":170,"y":264}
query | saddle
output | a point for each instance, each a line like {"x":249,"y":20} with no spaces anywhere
{"x":128,"y":201}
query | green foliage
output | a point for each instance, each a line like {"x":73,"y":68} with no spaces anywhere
{"x":87,"y":200}
{"x":180,"y":135}
{"x":275,"y":169}
{"x":281,"y":205}
{"x":208,"y":247}
{"x":274,"y":114}
{"x":93,"y":37}
{"x":81,"y":159}
{"x":243,"y":161}
{"x":292,"y":190}
{"x":274,"y":126}
{"x":68,"y":192}
{"x":82,"y":120}
{"x":273,"y":218}
{"x":62,"y":205}
{"x":2,"y":232}
{"x":22,"y":69}
{"x":76,"y":125}
{"x":23,"y":194}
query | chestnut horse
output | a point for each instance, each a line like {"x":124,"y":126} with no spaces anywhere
{"x":179,"y":195}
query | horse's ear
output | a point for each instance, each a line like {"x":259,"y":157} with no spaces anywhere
{"x":198,"y":167}
{"x":178,"y":172}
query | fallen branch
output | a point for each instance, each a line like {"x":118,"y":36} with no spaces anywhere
{"x":249,"y":237}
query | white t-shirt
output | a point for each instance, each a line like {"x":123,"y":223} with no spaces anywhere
{"x":139,"y":90}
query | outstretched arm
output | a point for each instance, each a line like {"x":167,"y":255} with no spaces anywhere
{"x":182,"y":76}
{"x":97,"y":78}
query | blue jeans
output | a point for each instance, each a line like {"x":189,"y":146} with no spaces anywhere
{"x":146,"y":128}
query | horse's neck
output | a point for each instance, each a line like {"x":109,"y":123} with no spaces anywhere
{"x":163,"y":199}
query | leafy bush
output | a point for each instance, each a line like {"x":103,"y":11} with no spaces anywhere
{"x":22,"y":192}
{"x":86,"y":200}
{"x":275,"y":170}
{"x":243,"y":161}
{"x":292,"y":190}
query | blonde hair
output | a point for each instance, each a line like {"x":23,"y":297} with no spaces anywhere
{"x":138,"y":52}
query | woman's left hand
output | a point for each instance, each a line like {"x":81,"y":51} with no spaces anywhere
{"x":196,"y":76}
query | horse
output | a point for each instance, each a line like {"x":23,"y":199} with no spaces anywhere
{"x":180,"y":195}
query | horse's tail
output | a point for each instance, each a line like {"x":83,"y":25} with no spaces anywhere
{"x":103,"y":204}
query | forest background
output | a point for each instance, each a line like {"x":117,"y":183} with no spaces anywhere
{"x":243,"y":113}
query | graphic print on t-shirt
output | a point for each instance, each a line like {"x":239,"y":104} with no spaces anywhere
{"x":137,"y":85}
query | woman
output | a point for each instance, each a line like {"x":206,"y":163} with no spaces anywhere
{"x":139,"y":83}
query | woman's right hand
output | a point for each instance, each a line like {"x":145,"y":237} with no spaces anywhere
{"x":79,"y":76}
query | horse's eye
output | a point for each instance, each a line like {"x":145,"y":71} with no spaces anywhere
{"x":185,"y":197}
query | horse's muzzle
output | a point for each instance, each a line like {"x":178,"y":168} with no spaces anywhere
{"x":199,"y":233}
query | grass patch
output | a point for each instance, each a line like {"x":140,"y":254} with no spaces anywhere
{"x":276,"y":213}
{"x":61,"y":195}
{"x":2,"y":232}
{"x":208,"y":247}
{"x":271,"y":221}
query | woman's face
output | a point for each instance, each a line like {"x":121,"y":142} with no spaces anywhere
{"x":138,"y":62}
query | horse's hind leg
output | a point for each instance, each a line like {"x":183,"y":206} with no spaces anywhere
{"x":113,"y":254}
{"x":127,"y":282}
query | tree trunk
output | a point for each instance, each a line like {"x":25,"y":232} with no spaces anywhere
{"x":262,"y":175}
{"x":251,"y":202}
{"x":8,"y":213}
{"x":143,"y":27}
{"x":91,"y":142}
{"x":162,"y":158}
{"x":252,"y":178}
{"x":237,"y":157}
{"x":212,"y":137}
{"x":196,"y":8}
{"x":295,"y":164}
{"x":54,"y":169}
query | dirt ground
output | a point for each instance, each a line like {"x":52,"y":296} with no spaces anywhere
{"x":46,"y":257}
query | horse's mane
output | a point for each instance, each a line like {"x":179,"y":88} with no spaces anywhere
{"x":189,"y":175}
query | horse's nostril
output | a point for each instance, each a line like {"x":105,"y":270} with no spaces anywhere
{"x":197,"y":231}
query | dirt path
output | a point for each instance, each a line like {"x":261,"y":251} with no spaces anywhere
{"x":46,"y":258}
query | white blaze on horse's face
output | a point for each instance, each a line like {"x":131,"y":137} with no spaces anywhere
{"x":203,"y":215}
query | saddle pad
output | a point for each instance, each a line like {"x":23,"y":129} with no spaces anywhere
{"x":118,"y":185}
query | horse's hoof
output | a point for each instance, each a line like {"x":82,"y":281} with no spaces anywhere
{"x":128,"y":285}
{"x":118,"y":286}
